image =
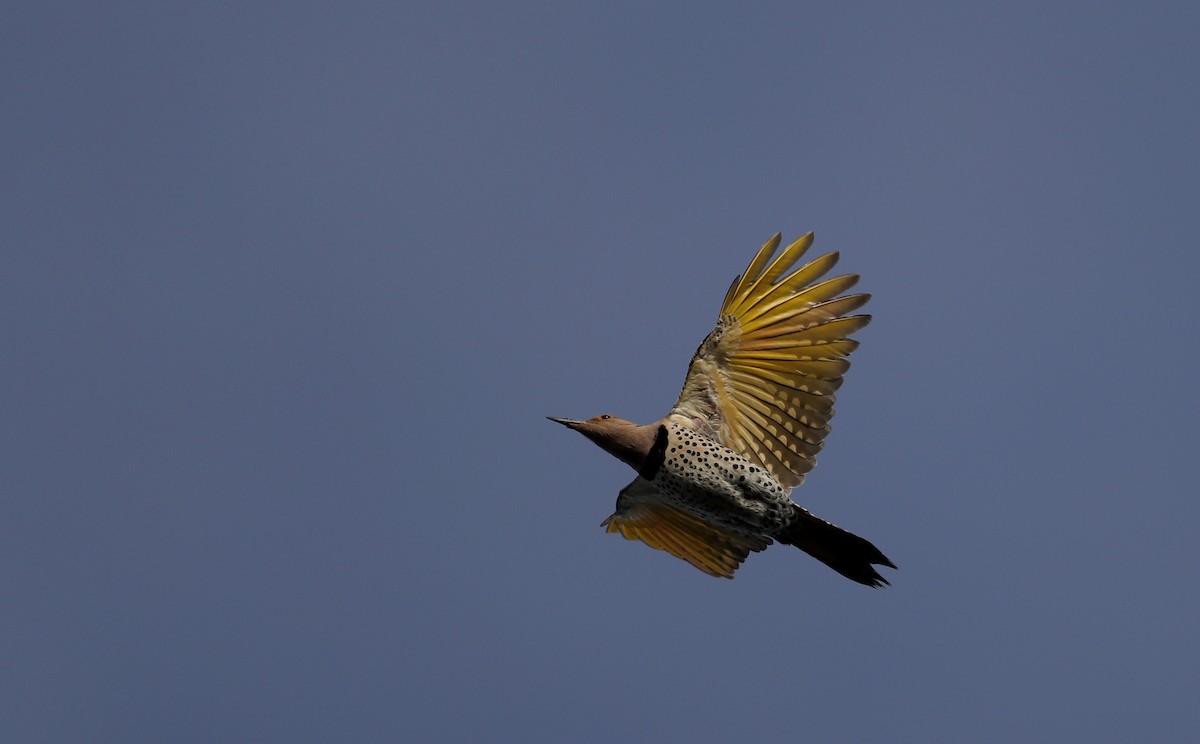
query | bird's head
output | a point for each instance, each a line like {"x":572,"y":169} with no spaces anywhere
{"x":622,"y":439}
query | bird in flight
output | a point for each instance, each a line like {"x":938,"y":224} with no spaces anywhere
{"x":714,"y":474}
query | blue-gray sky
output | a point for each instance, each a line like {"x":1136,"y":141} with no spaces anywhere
{"x":287,"y":289}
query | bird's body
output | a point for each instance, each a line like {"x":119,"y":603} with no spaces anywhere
{"x":702,"y":477}
{"x":714,"y":474}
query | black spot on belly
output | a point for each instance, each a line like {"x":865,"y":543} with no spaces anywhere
{"x":658,"y":453}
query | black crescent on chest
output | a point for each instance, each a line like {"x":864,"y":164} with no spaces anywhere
{"x":658,"y":454}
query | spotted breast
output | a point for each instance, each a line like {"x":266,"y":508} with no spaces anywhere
{"x":700,"y":476}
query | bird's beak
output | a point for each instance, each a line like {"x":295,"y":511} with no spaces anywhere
{"x":569,"y":423}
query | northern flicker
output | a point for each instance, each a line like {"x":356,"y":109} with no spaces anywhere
{"x":714,"y":474}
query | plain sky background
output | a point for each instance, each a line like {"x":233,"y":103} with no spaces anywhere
{"x":286,"y":290}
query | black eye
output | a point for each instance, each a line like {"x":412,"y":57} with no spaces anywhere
{"x":606,"y":416}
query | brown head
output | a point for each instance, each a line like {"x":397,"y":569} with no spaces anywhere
{"x":625,"y":440}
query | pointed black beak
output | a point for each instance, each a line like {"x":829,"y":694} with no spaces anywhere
{"x":569,"y":423}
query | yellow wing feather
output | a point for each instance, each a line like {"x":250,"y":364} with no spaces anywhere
{"x":763,"y":382}
{"x":716,"y":551}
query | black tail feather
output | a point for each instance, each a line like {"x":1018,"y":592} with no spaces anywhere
{"x":844,"y":552}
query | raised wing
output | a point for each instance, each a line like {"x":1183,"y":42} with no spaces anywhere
{"x":763,"y":382}
{"x":641,"y":515}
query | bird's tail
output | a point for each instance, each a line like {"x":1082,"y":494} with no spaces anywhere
{"x":844,"y":552}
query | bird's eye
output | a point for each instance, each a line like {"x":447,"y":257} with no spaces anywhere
{"x":606,"y":417}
